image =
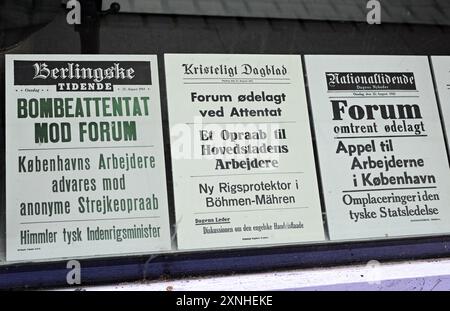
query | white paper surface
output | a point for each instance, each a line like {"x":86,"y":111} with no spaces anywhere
{"x":396,"y":182}
{"x":99,"y":189}
{"x":441,"y":71}
{"x":243,"y":172}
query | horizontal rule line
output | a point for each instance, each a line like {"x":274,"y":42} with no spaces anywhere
{"x":83,"y":220}
{"x":84,"y":148}
{"x":380,"y":136}
{"x":381,"y":96}
{"x":352,"y":91}
{"x":214,"y":223}
{"x":389,"y":189}
{"x":240,"y":78}
{"x":241,"y":122}
{"x":247,"y":174}
{"x":237,"y":83}
{"x":253,"y":210}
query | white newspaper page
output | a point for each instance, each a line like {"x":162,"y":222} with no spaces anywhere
{"x":85,"y":172}
{"x":381,"y":148}
{"x":242,"y":157}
